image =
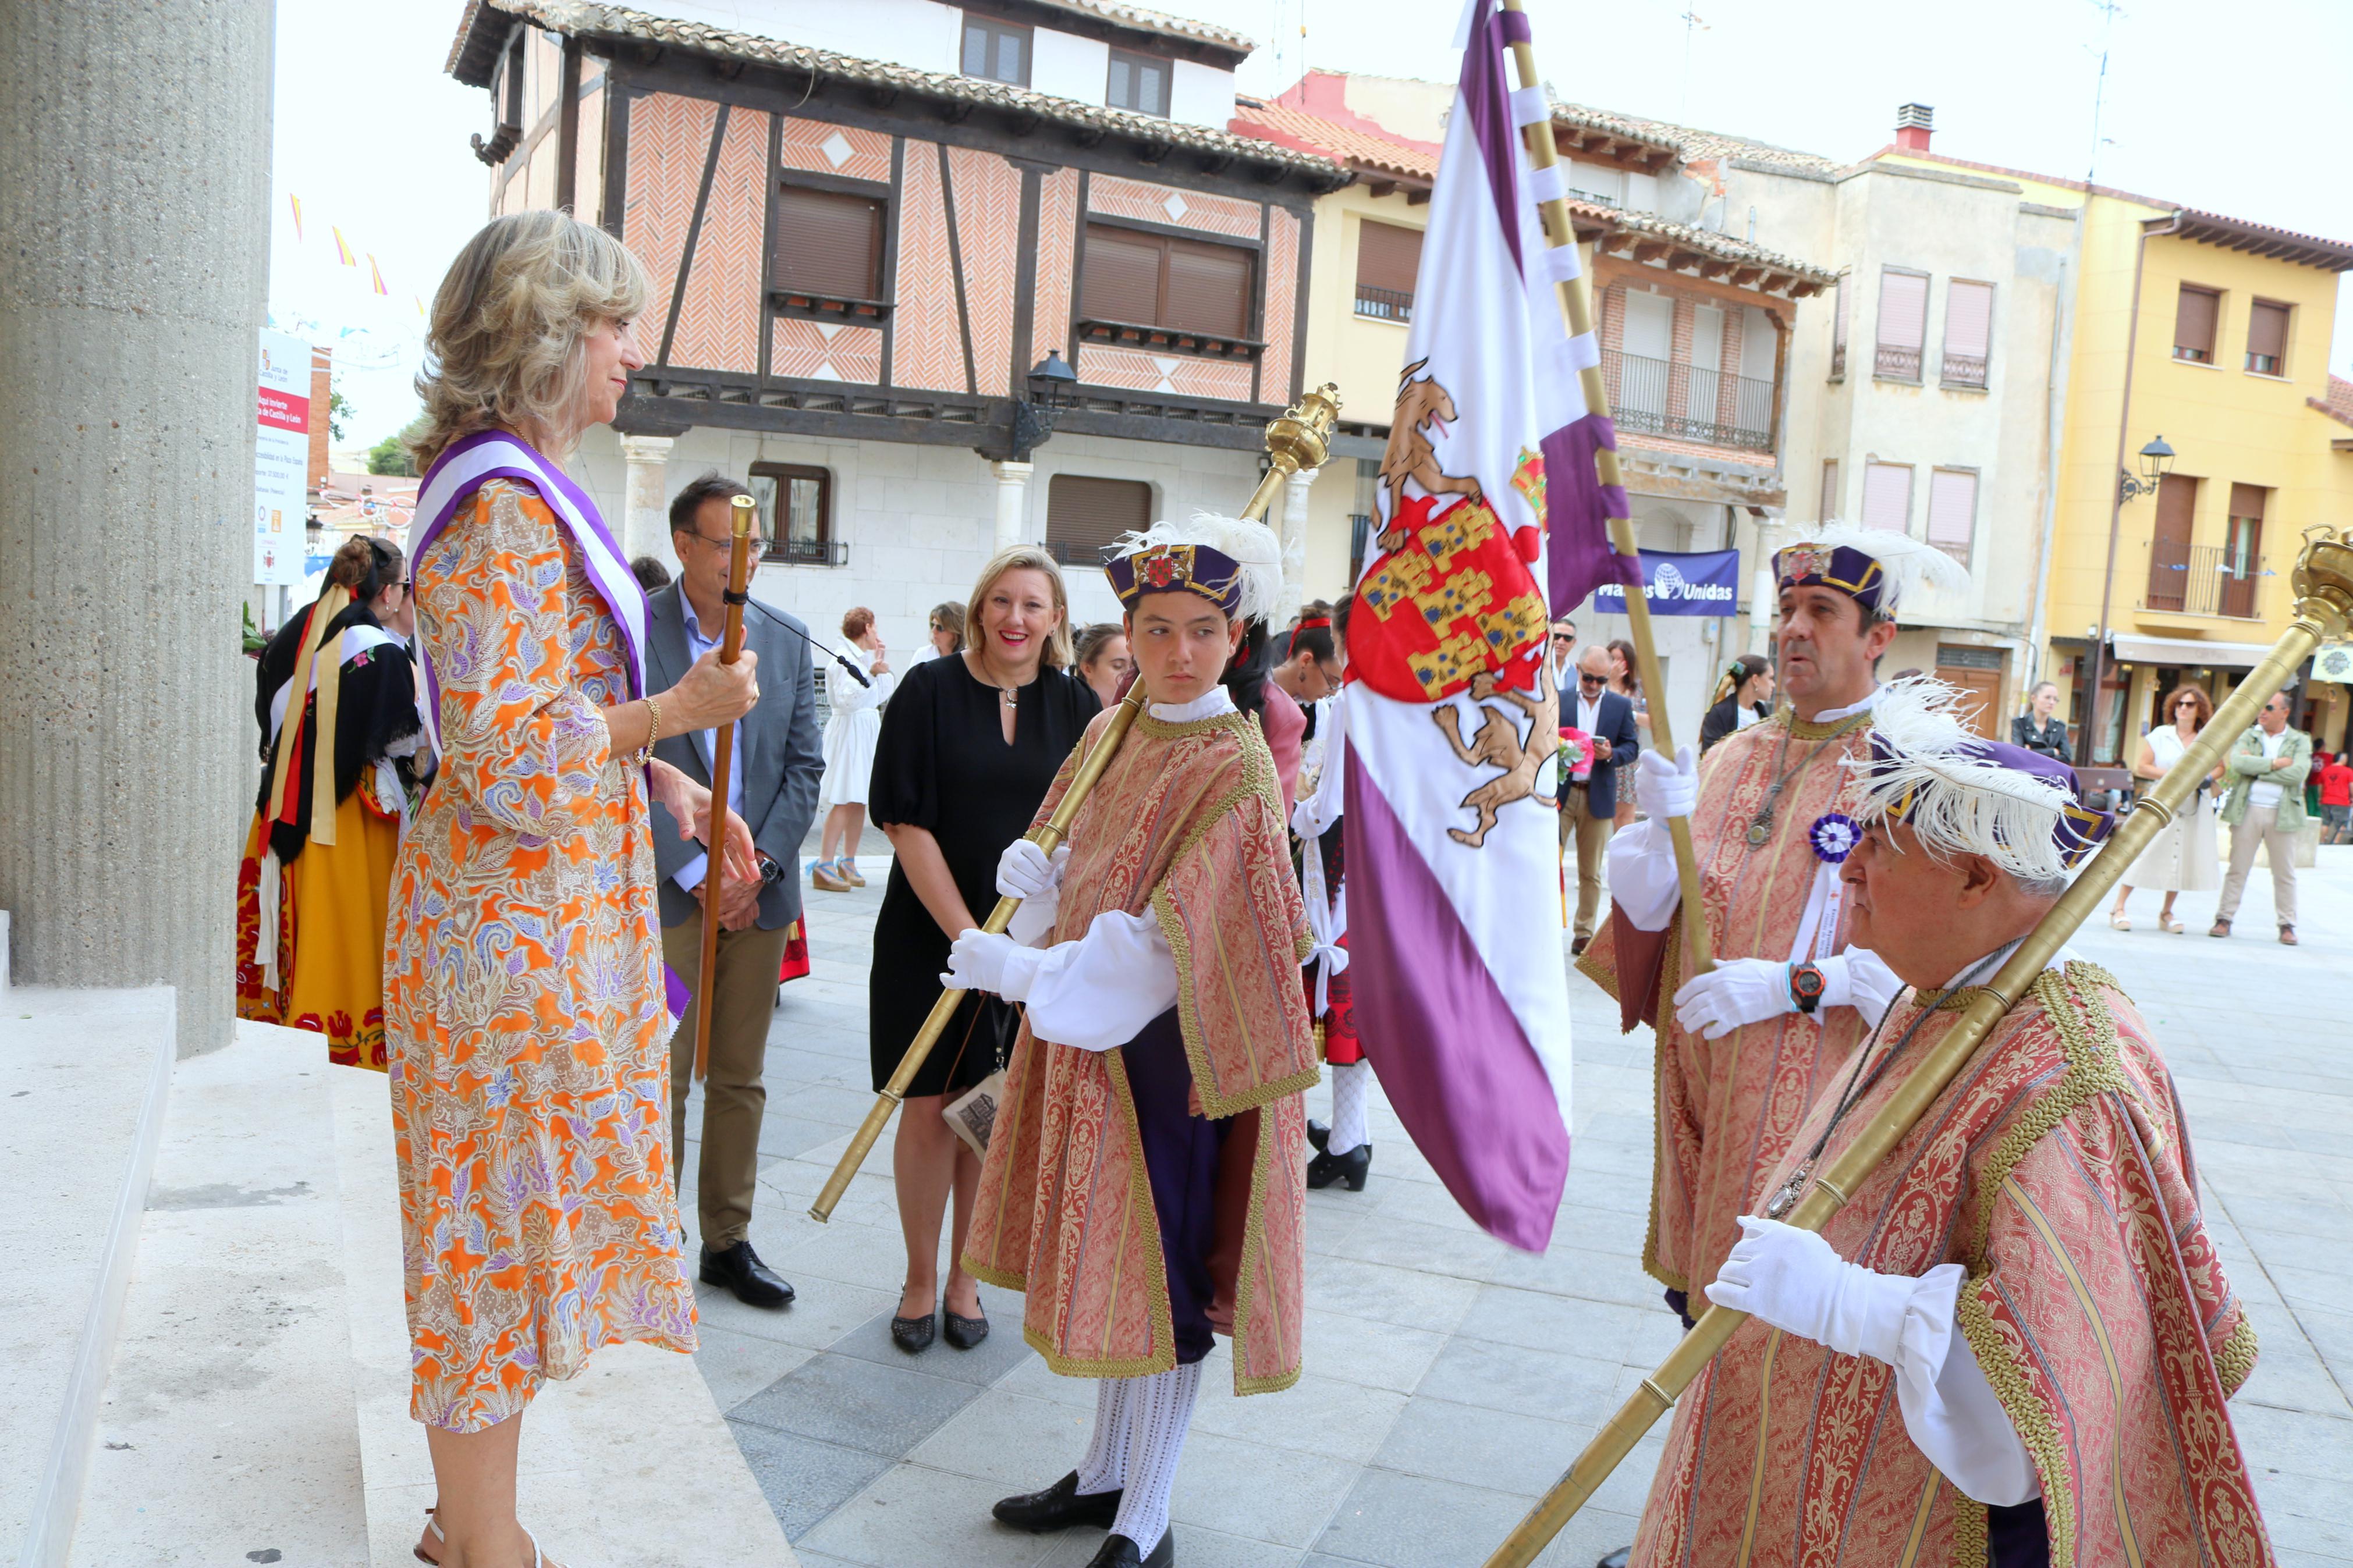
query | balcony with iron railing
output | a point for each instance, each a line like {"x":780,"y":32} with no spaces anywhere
{"x":1965,"y":370}
{"x":1385,"y":304}
{"x":1893,"y":364}
{"x":2203,"y":580}
{"x":1687,"y":403}
{"x":791,"y":551}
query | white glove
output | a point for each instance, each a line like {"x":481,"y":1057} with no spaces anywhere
{"x":986,"y":961}
{"x":1859,"y":979}
{"x":1663,"y":788}
{"x":1738,"y":991}
{"x":1023,"y":871}
{"x":1792,"y":1279}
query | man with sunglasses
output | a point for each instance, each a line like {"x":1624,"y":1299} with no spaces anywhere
{"x":773,"y":787}
{"x":1588,"y":796}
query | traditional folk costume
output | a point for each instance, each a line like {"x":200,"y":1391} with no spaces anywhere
{"x":319,"y":856}
{"x":1741,"y":1058}
{"x":1144,"y":1181}
{"x":1315,"y":822}
{"x":2013,"y":1344}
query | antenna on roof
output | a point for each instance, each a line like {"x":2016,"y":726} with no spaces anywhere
{"x":1692,"y":24}
{"x":2109,"y":10}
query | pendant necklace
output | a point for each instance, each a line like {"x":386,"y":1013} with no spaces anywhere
{"x":1785,"y":1198}
{"x":1760,"y":827}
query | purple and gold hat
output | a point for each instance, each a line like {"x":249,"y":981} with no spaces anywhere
{"x":1873,"y":566}
{"x":1233,"y":563}
{"x":1964,"y":794}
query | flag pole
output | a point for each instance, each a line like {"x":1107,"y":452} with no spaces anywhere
{"x":1578,"y":298}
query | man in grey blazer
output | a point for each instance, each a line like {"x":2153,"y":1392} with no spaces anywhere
{"x":773,"y":787}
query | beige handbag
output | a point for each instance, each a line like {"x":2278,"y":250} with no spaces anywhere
{"x":973,"y":1114}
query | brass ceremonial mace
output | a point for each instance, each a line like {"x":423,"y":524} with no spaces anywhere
{"x":2324,"y":602}
{"x":1576,"y":296}
{"x":745,"y":509}
{"x":1297,"y":440}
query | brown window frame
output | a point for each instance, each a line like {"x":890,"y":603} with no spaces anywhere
{"x":1088,"y":551}
{"x":2278,"y":367}
{"x":1159,"y":333}
{"x":994,"y":29}
{"x":2187,"y":353}
{"x":822,"y":550}
{"x":1382,"y":301}
{"x":797,"y":298}
{"x":1132,"y":60}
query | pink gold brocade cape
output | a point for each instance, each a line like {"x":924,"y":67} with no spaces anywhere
{"x":1726,"y":1109}
{"x":1187,"y":822}
{"x":2057,"y":1170}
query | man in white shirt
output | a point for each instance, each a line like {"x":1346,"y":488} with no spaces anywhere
{"x":1588,"y":796}
{"x":2266,"y":807}
{"x":1560,"y":654}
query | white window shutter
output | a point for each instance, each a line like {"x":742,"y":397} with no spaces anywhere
{"x":1952,"y":512}
{"x":1887,"y":497}
{"x":1969,"y":318}
{"x":1903,"y":309}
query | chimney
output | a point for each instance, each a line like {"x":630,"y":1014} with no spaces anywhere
{"x":1914,"y":122}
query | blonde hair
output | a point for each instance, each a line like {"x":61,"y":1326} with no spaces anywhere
{"x":1024,"y":558}
{"x":504,"y":346}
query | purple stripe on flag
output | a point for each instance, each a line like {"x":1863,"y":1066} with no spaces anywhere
{"x":1488,"y":98}
{"x":1578,"y":509}
{"x":1457,"y":1067}
{"x":1514,"y":27}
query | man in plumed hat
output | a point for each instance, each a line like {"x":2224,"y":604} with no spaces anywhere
{"x":1144,"y":1180}
{"x":2012,"y":1344}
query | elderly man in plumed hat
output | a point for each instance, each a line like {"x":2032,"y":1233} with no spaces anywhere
{"x":2012,"y":1344}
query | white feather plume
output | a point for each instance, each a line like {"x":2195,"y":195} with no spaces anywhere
{"x":1957,"y":803}
{"x":1909,"y":564}
{"x":1252,"y":544}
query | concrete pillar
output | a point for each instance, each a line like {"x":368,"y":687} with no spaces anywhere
{"x":1294,"y":540}
{"x":135,"y":221}
{"x":1764,"y":589}
{"x":644,"y":527}
{"x":1012,"y":501}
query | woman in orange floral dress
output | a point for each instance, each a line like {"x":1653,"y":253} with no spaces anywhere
{"x":523,"y":988}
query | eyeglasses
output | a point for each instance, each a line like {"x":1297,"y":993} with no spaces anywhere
{"x":1564,"y":636}
{"x":759,"y":544}
{"x":1584,"y":680}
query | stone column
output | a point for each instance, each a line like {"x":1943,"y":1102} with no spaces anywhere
{"x":1294,"y":540}
{"x":134,"y":216}
{"x":644,"y":527}
{"x":1764,"y":591}
{"x":1012,"y":501}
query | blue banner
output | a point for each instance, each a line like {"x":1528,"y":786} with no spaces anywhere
{"x":1706,"y":582}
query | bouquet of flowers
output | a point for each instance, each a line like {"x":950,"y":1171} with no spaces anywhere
{"x":1575,"y":751}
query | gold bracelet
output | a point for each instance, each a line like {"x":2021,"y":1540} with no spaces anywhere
{"x":644,"y":754}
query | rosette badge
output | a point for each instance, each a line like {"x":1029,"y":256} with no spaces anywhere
{"x":1834,"y":835}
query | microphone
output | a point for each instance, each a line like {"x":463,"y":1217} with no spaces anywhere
{"x":838,"y":657}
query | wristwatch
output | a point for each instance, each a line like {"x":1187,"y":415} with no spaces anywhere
{"x":771,"y":873}
{"x":1805,"y":987}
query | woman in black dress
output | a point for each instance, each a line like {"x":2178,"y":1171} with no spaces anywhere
{"x":970,"y":745}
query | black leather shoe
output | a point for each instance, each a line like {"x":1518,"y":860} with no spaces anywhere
{"x":962,"y":1331}
{"x":1318,"y":1135}
{"x":1119,"y":1552}
{"x":913,"y":1335}
{"x":1348,"y":1168}
{"x":1059,"y":1507}
{"x":1616,"y":1559}
{"x":739,"y":1268}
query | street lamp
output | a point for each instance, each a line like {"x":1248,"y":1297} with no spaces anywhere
{"x":2156,"y":462}
{"x":1052,"y":387}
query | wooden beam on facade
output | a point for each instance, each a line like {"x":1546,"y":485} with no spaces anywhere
{"x":1377,"y":189}
{"x":1746,"y":276}
{"x":1416,"y":198}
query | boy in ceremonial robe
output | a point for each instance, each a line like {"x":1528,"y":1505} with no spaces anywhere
{"x":1144,"y":1181}
{"x":2012,"y":1344}
{"x":1747,"y":1047}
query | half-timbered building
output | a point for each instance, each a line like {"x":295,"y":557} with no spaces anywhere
{"x":931,"y":279}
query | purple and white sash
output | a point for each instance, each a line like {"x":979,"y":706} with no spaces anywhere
{"x":459,"y":471}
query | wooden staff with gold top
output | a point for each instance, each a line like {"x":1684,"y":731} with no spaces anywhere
{"x":1577,"y":297}
{"x":1297,"y":440}
{"x":2324,"y":590}
{"x":744,"y":513}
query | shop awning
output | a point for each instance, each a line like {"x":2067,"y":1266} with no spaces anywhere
{"x":2194,"y":653}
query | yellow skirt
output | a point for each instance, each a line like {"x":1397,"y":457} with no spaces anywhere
{"x":331,"y":904}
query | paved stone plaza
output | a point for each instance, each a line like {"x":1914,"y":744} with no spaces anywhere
{"x":1449,"y":1378}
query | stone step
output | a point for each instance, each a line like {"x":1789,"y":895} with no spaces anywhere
{"x":228,"y":1432}
{"x":84,"y":1078}
{"x":629,"y":1463}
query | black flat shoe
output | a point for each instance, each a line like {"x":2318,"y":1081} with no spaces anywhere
{"x":913,"y":1335}
{"x":1119,"y":1552}
{"x":1347,"y":1169}
{"x":962,"y":1331}
{"x":1059,"y":1507}
{"x":739,"y":1268}
{"x":1616,"y":1559}
{"x":1318,"y":1135}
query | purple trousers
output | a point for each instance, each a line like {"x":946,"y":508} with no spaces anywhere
{"x":1180,"y":1157}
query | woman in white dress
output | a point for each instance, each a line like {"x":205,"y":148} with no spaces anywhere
{"x":2181,"y":858}
{"x":850,"y":753}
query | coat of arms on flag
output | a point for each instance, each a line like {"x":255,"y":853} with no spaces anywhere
{"x":1489,"y":503}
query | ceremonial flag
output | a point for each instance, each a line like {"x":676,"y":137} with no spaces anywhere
{"x":297,"y":203}
{"x":342,"y":252}
{"x":375,"y":275}
{"x":1488,"y":496}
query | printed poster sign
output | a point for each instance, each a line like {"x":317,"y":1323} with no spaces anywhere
{"x":281,"y":457}
{"x":1706,"y":583}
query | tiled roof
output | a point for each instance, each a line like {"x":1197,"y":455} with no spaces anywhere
{"x":470,"y":62}
{"x":2338,"y":403}
{"x":1157,"y":22}
{"x":1689,"y":143}
{"x":1348,"y":144}
{"x":1634,"y":230}
{"x":2238,"y":234}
